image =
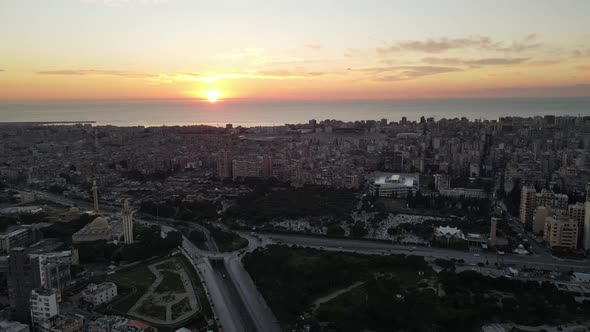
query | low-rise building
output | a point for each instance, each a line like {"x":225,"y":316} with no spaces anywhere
{"x":99,"y":229}
{"x":99,"y":294}
{"x":63,"y":323}
{"x":464,"y":193}
{"x":449,"y":236}
{"x":8,"y":326}
{"x":19,"y":237}
{"x":395,"y":185}
{"x":116,"y":324}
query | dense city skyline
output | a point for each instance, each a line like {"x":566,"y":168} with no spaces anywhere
{"x":285,"y":50}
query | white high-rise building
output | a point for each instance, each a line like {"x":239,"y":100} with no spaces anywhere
{"x":587,"y":220}
{"x":127,"y":223}
{"x":44,"y":306}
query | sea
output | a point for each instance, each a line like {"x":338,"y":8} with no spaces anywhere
{"x":253,"y":113}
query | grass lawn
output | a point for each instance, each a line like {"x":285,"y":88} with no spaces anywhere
{"x":181,"y":308}
{"x":153,"y":310}
{"x":138,"y":279}
{"x":171,"y":283}
{"x":167,"y":265}
{"x":237,"y":243}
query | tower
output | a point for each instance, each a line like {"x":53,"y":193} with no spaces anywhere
{"x":587,"y":219}
{"x":527,"y":205}
{"x":493,"y":227}
{"x":95,"y":195}
{"x":127,"y":223}
{"x":224,"y":164}
{"x":21,"y":280}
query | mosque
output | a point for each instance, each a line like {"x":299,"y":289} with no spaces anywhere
{"x":103,"y":229}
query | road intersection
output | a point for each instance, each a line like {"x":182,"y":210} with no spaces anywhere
{"x":239,"y":306}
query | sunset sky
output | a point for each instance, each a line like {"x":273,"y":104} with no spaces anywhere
{"x":278,"y":49}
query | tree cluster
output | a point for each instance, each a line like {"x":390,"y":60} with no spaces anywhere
{"x":264,"y":206}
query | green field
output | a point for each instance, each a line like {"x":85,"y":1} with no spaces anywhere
{"x":171,"y":283}
{"x":168,"y":265}
{"x":180,"y":308}
{"x":398,"y":293}
{"x":138,"y":280}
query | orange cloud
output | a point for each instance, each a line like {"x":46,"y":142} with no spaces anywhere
{"x":444,"y":44}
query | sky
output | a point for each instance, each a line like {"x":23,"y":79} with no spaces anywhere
{"x":293,"y":50}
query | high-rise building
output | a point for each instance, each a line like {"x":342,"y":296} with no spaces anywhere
{"x":52,"y":269}
{"x":441,"y":182}
{"x":561,"y":232}
{"x":550,"y":199}
{"x":587,"y":220}
{"x":245,"y":168}
{"x":541,"y":214}
{"x":527,"y":204}
{"x":398,"y":161}
{"x":577,"y":212}
{"x":44,"y":306}
{"x":127,"y":223}
{"x":530,"y":200}
{"x":95,"y":196}
{"x":266,"y":166}
{"x":224,"y":164}
{"x":20,"y":283}
{"x":29,"y":270}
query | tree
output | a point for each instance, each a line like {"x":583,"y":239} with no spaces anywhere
{"x":335,"y":230}
{"x":358,"y":230}
{"x":392,"y":231}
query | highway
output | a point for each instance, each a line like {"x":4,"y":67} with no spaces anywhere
{"x":376,"y":247}
{"x":239,"y":306}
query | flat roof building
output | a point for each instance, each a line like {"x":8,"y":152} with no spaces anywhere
{"x":395,"y":185}
{"x":99,"y":294}
{"x":561,"y":232}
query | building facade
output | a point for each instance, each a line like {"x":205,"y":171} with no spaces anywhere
{"x":44,"y":306}
{"x":395,"y":185}
{"x":99,"y":294}
{"x":577,"y":212}
{"x":527,"y":204}
{"x":561,"y":232}
{"x":21,"y":282}
{"x":21,"y":237}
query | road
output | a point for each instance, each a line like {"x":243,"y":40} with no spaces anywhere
{"x":239,"y":306}
{"x":233,"y":299}
{"x":375,"y":247}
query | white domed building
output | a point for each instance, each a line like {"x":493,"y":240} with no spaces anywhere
{"x":99,"y":229}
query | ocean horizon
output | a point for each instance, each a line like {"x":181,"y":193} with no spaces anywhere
{"x":252,"y":113}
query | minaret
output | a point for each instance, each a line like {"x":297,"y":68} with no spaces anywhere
{"x":95,"y":196}
{"x":493,"y":227}
{"x":127,"y":223}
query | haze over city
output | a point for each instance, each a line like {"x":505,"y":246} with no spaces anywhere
{"x":300,"y":166}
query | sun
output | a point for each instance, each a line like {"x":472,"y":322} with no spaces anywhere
{"x":212,"y":95}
